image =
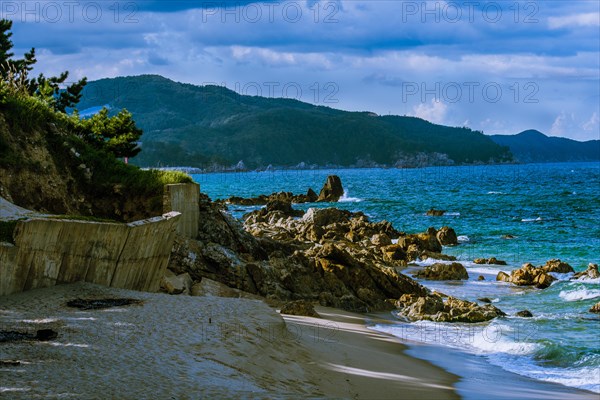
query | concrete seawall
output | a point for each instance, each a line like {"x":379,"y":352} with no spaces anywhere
{"x":183,"y":198}
{"x":53,"y":251}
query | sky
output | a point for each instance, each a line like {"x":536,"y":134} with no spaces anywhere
{"x":500,"y":67}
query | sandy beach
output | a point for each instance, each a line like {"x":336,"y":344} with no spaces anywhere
{"x":182,"y":347}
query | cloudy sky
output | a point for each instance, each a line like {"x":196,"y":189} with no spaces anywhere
{"x":496,"y":66}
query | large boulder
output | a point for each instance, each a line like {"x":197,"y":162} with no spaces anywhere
{"x":528,"y":275}
{"x":332,"y":190}
{"x":433,"y":307}
{"x":446,"y":236}
{"x":557,"y":266}
{"x":590,"y":273}
{"x":443,"y":272}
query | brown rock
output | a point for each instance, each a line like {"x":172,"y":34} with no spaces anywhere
{"x":503,"y":277}
{"x":590,"y":273}
{"x":543,"y":280}
{"x":381,"y":239}
{"x":481,"y":278}
{"x":442,"y":272}
{"x":446,"y":236}
{"x":435,"y":213}
{"x":557,"y":266}
{"x":332,"y":190}
{"x":595,"y":308}
{"x":300,"y":307}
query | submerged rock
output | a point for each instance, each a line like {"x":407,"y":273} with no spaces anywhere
{"x":595,"y":308}
{"x":435,"y":213}
{"x":332,"y":190}
{"x":443,"y":272}
{"x":491,"y":261}
{"x":300,"y":307}
{"x":524,"y":314}
{"x":590,"y":273}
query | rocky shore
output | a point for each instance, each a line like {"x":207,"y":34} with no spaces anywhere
{"x":328,"y":256}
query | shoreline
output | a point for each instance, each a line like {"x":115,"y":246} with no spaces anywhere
{"x":477,"y":375}
{"x":189,"y":347}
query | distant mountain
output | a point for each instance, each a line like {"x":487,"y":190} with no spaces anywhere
{"x":534,"y":146}
{"x":198,"y":125}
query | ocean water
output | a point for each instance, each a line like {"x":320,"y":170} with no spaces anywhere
{"x":550,"y":210}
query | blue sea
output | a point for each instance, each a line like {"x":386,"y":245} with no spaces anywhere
{"x":550,"y":210}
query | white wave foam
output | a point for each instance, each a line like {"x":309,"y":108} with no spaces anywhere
{"x":579,"y":294}
{"x":394,"y":241}
{"x":531,"y":219}
{"x":347,"y":199}
{"x":562,"y":277}
{"x":587,"y":279}
{"x":463,"y":239}
{"x":453,"y":214}
{"x":492,"y":192}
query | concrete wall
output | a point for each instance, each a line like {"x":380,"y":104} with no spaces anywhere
{"x":183,"y":198}
{"x":53,"y":251}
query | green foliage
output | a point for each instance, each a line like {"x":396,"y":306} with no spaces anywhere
{"x":15,"y":73}
{"x":195,"y":126}
{"x":117,"y":134}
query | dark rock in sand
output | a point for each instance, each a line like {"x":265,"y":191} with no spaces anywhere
{"x":524,"y":314}
{"x":332,"y":190}
{"x":300,"y":307}
{"x":443,"y":272}
{"x":435,"y":213}
{"x":590,"y":273}
{"x":446,"y":236}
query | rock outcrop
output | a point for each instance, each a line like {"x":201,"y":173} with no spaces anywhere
{"x":435,"y":308}
{"x":490,"y":261}
{"x":595,"y":308}
{"x":590,"y":273}
{"x":528,"y":275}
{"x":328,"y":256}
{"x":557,"y":266}
{"x":446,"y":236}
{"x":332,"y":190}
{"x":443,"y":272}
